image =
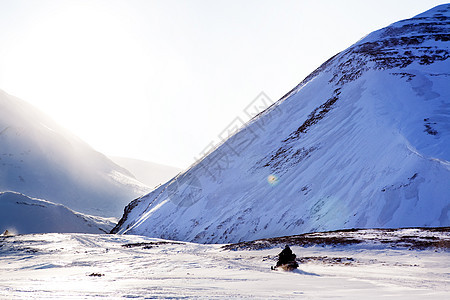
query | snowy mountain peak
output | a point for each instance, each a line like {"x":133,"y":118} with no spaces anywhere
{"x":363,"y":141}
{"x":438,"y":12}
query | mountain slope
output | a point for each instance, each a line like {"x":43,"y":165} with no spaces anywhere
{"x":149,"y":173}
{"x":364,"y":141}
{"x":40,"y":159}
{"x":22,"y":215}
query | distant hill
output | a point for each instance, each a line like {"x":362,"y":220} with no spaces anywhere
{"x":41,"y":159}
{"x":149,"y":173}
{"x":20,"y":214}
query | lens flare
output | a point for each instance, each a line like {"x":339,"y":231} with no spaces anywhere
{"x":272,"y":179}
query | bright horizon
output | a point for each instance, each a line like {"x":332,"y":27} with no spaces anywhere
{"x":160,"y":80}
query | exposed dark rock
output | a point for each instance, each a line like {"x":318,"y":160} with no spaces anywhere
{"x":126,"y":211}
{"x":423,"y":238}
{"x":149,"y":245}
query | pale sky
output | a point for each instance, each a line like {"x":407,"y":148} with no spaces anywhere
{"x":160,"y":80}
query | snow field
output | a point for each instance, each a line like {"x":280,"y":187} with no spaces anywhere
{"x":58,"y":266}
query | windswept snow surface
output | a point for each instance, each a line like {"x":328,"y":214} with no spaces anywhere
{"x":40,"y":159}
{"x":20,"y":214}
{"x":82,"y":266}
{"x":364,"y":141}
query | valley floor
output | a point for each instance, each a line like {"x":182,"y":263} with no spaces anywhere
{"x":83,"y":266}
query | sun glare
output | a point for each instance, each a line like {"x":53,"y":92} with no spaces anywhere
{"x":89,"y":63}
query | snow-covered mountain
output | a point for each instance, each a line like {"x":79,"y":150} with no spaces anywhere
{"x":363,"y":141}
{"x":149,"y":173}
{"x":42,"y":160}
{"x":22,"y":214}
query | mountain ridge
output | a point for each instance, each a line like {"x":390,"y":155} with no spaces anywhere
{"x":20,"y":214}
{"x":41,"y":159}
{"x":150,"y":173}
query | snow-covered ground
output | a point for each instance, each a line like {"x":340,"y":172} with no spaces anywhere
{"x":83,"y":266}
